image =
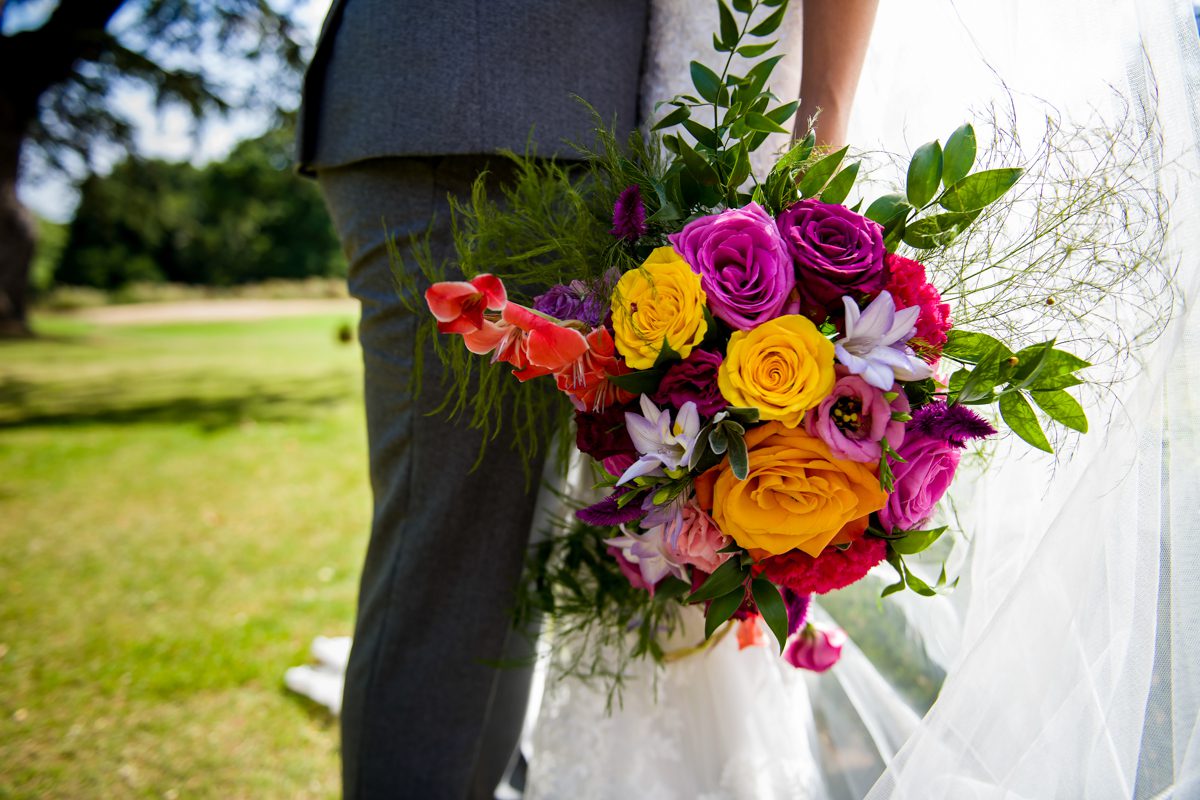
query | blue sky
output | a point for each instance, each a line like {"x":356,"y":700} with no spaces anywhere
{"x":164,"y":135}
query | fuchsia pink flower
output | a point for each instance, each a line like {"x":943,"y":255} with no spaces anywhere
{"x":920,"y":480}
{"x":816,"y":648}
{"x":835,"y":251}
{"x":743,"y":266}
{"x":856,"y":416}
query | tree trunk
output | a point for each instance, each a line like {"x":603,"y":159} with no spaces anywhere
{"x":18,"y":233}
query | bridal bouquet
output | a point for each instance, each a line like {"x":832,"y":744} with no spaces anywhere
{"x":772,"y":391}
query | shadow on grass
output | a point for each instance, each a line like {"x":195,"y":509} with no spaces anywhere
{"x":169,"y":401}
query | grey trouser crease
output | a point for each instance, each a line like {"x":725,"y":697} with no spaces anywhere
{"x":424,"y":714}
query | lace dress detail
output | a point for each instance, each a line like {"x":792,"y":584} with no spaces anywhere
{"x":681,"y":32}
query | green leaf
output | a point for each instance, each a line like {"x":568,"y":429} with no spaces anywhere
{"x":768,"y":25}
{"x":1046,"y":383}
{"x":720,"y":46}
{"x":818,"y":174}
{"x":796,"y":155}
{"x":1019,"y":416}
{"x":1059,"y":364}
{"x":937,"y":230}
{"x":729,"y":28}
{"x":721,"y":610}
{"x":982,"y":380}
{"x":698,"y":166}
{"x":644,"y":381}
{"x":924,"y":174}
{"x":980,"y":190}
{"x":760,"y":72}
{"x":783,"y":114}
{"x":887,"y":208}
{"x":917,"y":585}
{"x":755,"y":50}
{"x":898,"y":586}
{"x":746,"y":415}
{"x":841,"y":185}
{"x":743,"y":6}
{"x":705,"y":136}
{"x":771,"y":606}
{"x":758,"y":122}
{"x":666,"y":355}
{"x":959,"y":155}
{"x":724,"y":579}
{"x":916,"y":541}
{"x":967,"y":346}
{"x":705,"y":81}
{"x":741,"y":167}
{"x":739,"y":459}
{"x":674,"y":118}
{"x":718,"y":442}
{"x":1030,"y":362}
{"x":1063,"y":408}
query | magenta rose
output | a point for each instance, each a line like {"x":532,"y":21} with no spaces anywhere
{"x":695,"y":379}
{"x":816,"y":649}
{"x":856,"y":416}
{"x":835,"y":252}
{"x":920,"y":480}
{"x":743,"y":265}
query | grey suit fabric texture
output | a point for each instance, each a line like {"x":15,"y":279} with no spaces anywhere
{"x":400,"y":102}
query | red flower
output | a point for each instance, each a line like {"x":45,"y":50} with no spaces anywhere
{"x":586,"y":380}
{"x":459,"y":305}
{"x":832,"y":569}
{"x":548,"y":346}
{"x":909,"y":287}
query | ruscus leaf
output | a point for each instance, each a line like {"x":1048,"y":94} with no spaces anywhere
{"x":959,"y":155}
{"x":980,"y":190}
{"x":1019,"y":416}
{"x":924,"y":174}
{"x":771,"y":606}
{"x":721,"y":610}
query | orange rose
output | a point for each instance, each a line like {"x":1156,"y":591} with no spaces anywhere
{"x":797,"y":495}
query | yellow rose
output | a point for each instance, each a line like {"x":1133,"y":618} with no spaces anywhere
{"x":660,"y":301}
{"x":796,"y":496}
{"x":783,"y":368}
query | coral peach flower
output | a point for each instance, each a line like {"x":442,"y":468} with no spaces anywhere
{"x":458,"y":306}
{"x":548,"y":345}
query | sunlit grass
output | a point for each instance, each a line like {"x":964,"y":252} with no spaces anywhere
{"x":181,"y":509}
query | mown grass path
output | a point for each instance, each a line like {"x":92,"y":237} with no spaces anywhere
{"x":182,"y":507}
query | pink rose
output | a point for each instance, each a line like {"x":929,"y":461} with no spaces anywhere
{"x":920,"y":480}
{"x":816,"y":649}
{"x":855,"y":417}
{"x":700,"y":540}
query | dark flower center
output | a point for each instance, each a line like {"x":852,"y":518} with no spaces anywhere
{"x":847,"y":414}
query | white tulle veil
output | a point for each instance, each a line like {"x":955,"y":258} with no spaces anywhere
{"x":1070,"y":654}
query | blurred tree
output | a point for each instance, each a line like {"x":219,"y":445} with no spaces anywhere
{"x":56,"y":81}
{"x":248,"y":218}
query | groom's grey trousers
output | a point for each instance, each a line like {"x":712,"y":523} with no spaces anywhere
{"x":400,"y":100}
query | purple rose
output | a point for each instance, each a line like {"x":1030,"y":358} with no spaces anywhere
{"x":920,"y":480}
{"x":855,"y":417}
{"x":603,"y":435}
{"x":743,"y":265}
{"x":695,"y":379}
{"x":836,"y":252}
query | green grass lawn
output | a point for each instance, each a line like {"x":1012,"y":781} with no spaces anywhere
{"x":182,"y":508}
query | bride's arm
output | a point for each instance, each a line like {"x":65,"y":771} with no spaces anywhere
{"x":836,"y":33}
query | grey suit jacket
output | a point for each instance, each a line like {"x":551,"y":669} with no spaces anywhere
{"x":404,"y":78}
